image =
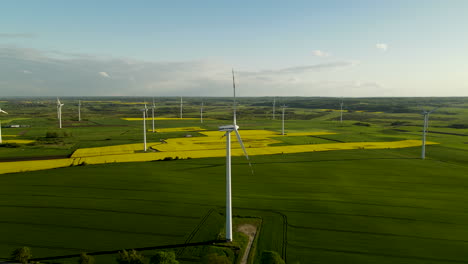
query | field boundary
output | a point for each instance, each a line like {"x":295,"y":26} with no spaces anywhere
{"x":107,"y":252}
{"x":285,"y":228}
{"x":195,"y":231}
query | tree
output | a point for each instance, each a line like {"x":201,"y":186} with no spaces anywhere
{"x":85,"y":259}
{"x":271,"y":257}
{"x":21,"y":254}
{"x":164,"y":257}
{"x":132,"y":257}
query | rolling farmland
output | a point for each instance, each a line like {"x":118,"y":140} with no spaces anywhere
{"x":325,"y":192}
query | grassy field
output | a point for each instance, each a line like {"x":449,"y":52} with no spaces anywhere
{"x":342,"y":206}
{"x":362,"y":206}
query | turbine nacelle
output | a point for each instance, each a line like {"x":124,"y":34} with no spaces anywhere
{"x":228,"y":128}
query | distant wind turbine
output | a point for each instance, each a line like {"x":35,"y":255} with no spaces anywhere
{"x":228,"y":129}
{"x":282,"y":120}
{"x":425,"y":126}
{"x":201,"y":113}
{"x":1,"y":111}
{"x":59,"y":112}
{"x":145,"y":111}
{"x":79,"y":110}
{"x":152,"y":110}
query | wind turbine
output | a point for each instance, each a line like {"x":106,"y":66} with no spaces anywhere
{"x":274,"y":105}
{"x":144,"y":110}
{"x":1,"y":111}
{"x":181,"y":107}
{"x":282,"y":127}
{"x":59,"y":112}
{"x":228,"y":129}
{"x":152,"y":110}
{"x":425,"y":126}
{"x":341,"y":112}
{"x":79,"y":110}
{"x":201,"y":113}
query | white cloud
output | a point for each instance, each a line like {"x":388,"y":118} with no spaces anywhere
{"x":27,"y":72}
{"x":84,"y":76}
{"x":320,"y":53}
{"x":382,"y":46}
{"x":104,"y":74}
{"x":301,"y":69}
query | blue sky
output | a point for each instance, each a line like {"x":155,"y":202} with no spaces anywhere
{"x":308,"y":48}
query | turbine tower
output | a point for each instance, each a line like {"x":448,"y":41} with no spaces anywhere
{"x":144,"y":110}
{"x":201,"y":113}
{"x":274,"y":105}
{"x":152,"y":110}
{"x":79,"y":110}
{"x":228,"y":129}
{"x":59,"y":112}
{"x":1,"y":111}
{"x":181,"y":107}
{"x":425,"y":126}
{"x":282,"y":120}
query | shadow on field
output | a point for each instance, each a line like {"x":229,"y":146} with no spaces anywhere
{"x":106,"y":252}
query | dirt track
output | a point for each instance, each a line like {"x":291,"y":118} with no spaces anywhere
{"x":251,"y":231}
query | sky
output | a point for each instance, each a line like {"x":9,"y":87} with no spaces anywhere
{"x":333,"y":48}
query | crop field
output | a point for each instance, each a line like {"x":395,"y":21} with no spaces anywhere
{"x":337,"y":206}
{"x":326,"y":192}
{"x":209,"y":145}
{"x":158,"y":118}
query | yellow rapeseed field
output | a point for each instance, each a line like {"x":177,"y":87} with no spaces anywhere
{"x":33,"y":165}
{"x":211,"y":144}
{"x":109,"y":150}
{"x":178,"y":129}
{"x":333,"y":110}
{"x":18,"y":141}
{"x":159,"y":118}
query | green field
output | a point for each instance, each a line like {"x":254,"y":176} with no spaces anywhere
{"x":353,"y":206}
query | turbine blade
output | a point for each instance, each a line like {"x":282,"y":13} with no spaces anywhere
{"x":3,"y":111}
{"x":239,"y":139}
{"x":234,"y":102}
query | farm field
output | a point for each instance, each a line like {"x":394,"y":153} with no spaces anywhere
{"x":370,"y":200}
{"x":337,"y":205}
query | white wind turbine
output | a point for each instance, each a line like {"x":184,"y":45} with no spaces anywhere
{"x":59,"y":112}
{"x":152,"y":110}
{"x":282,"y":120}
{"x":1,"y":111}
{"x":201,"y":113}
{"x":228,"y":129}
{"x":425,"y":126}
{"x":181,"y":107}
{"x":79,"y":110}
{"x":144,"y":110}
